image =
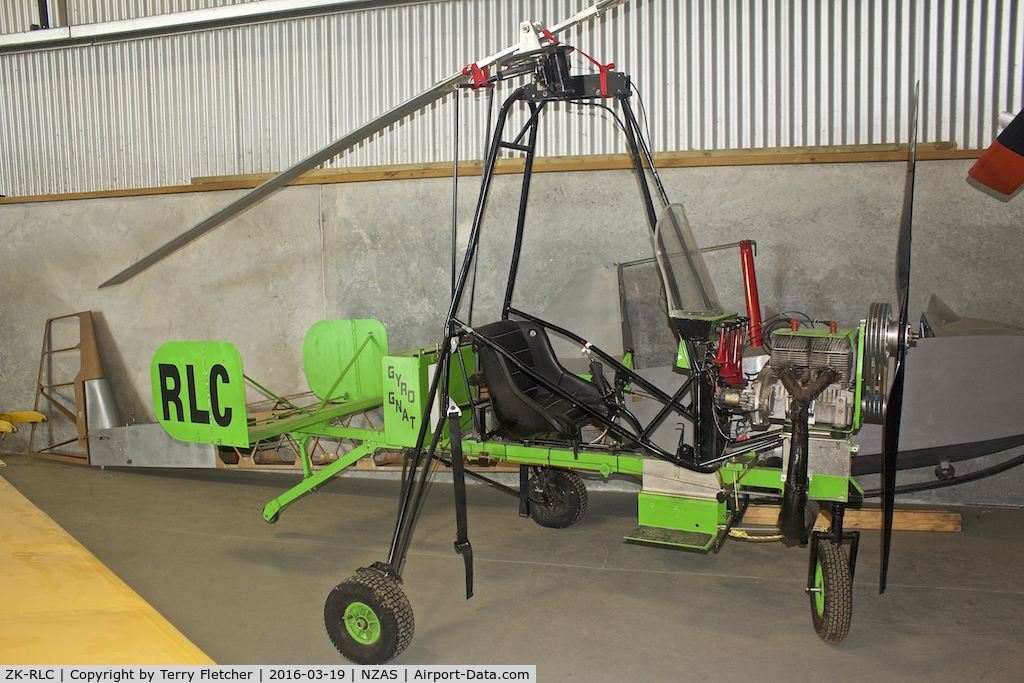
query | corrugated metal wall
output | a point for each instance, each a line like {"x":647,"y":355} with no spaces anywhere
{"x":16,"y":16}
{"x":713,"y":75}
{"x":91,"y":11}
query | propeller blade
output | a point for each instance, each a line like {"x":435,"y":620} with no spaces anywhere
{"x":1001,"y":167}
{"x":434,"y":93}
{"x":890,"y":447}
{"x":894,"y":404}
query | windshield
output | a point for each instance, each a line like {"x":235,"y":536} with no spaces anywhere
{"x":688,"y":287}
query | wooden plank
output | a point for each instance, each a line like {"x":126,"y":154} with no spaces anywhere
{"x":934,"y":151}
{"x":904,"y":519}
{"x":607,"y":162}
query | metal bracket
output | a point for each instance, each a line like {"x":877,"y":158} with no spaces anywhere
{"x":530,"y":36}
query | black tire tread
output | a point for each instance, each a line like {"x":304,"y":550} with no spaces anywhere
{"x":834,"y":624}
{"x":573,"y":488}
{"x":393,"y":609}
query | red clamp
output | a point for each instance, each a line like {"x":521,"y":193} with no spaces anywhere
{"x":603,"y":68}
{"x":730,"y":356}
{"x":478,"y":74}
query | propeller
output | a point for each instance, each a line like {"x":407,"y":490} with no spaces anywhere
{"x":894,"y":402}
{"x":435,"y":92}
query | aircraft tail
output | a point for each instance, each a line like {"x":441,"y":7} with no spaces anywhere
{"x":199,"y":392}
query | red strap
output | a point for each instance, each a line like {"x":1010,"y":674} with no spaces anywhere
{"x":479,"y":75}
{"x":547,"y":34}
{"x":603,"y":68}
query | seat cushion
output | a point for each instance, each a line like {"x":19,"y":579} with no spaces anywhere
{"x":523,"y":407}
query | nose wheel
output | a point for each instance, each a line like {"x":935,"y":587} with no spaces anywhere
{"x":368,"y":618}
{"x":831,"y":592}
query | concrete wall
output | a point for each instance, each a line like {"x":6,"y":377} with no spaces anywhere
{"x":826,"y":239}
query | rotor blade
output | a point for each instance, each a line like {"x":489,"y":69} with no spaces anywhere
{"x":894,"y":403}
{"x":309,"y":163}
{"x":1001,"y":167}
{"x":434,"y":93}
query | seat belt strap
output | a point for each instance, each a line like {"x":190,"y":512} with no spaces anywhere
{"x":462,"y":545}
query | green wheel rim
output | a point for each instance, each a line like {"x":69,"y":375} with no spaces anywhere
{"x":362,"y":623}
{"x":819,"y":595}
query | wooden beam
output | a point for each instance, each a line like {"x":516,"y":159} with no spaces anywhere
{"x":935,"y":151}
{"x":906,"y":519}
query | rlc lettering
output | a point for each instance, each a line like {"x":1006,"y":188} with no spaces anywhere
{"x":219,"y":372}
{"x":170,"y":394}
{"x":170,"y":390}
{"x":196,"y":416}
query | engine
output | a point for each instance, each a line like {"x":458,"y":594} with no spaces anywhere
{"x":807,"y":353}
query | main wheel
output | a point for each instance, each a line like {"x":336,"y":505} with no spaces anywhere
{"x":558,"y":498}
{"x":368,"y":618}
{"x":832,"y":593}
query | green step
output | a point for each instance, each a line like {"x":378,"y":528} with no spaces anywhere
{"x":675,"y":537}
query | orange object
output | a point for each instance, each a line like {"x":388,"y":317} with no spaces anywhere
{"x":1001,"y":167}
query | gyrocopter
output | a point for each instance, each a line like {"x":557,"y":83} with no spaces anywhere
{"x":767,"y":411}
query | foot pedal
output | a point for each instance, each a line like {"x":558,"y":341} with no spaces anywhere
{"x":693,"y":540}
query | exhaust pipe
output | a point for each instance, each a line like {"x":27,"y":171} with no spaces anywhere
{"x":794,"y":494}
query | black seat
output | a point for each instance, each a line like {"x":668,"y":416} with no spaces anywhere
{"x":523,"y":407}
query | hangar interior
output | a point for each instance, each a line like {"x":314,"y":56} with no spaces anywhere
{"x":124,"y":124}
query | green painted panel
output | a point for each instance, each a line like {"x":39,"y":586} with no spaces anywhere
{"x":406,"y":383}
{"x":683,"y":357}
{"x":829,"y":487}
{"x":199,"y":392}
{"x":685,"y":514}
{"x":756,"y":477}
{"x":342,"y":359}
{"x":857,"y":417}
{"x":588,"y":461}
{"x":690,"y":540}
{"x":405,"y":387}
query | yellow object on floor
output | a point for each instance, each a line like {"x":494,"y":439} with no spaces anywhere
{"x":60,"y":605}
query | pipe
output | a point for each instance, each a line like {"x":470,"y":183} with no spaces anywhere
{"x":750,"y":288}
{"x":794,"y":495}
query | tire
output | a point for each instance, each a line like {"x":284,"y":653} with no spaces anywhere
{"x":811,"y":511}
{"x":368,"y":618}
{"x":832,"y":594}
{"x":558,"y":498}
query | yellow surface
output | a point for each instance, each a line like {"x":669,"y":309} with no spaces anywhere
{"x":60,"y":605}
{"x":23,"y":416}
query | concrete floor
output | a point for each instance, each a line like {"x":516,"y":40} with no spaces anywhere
{"x":579,"y":603}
